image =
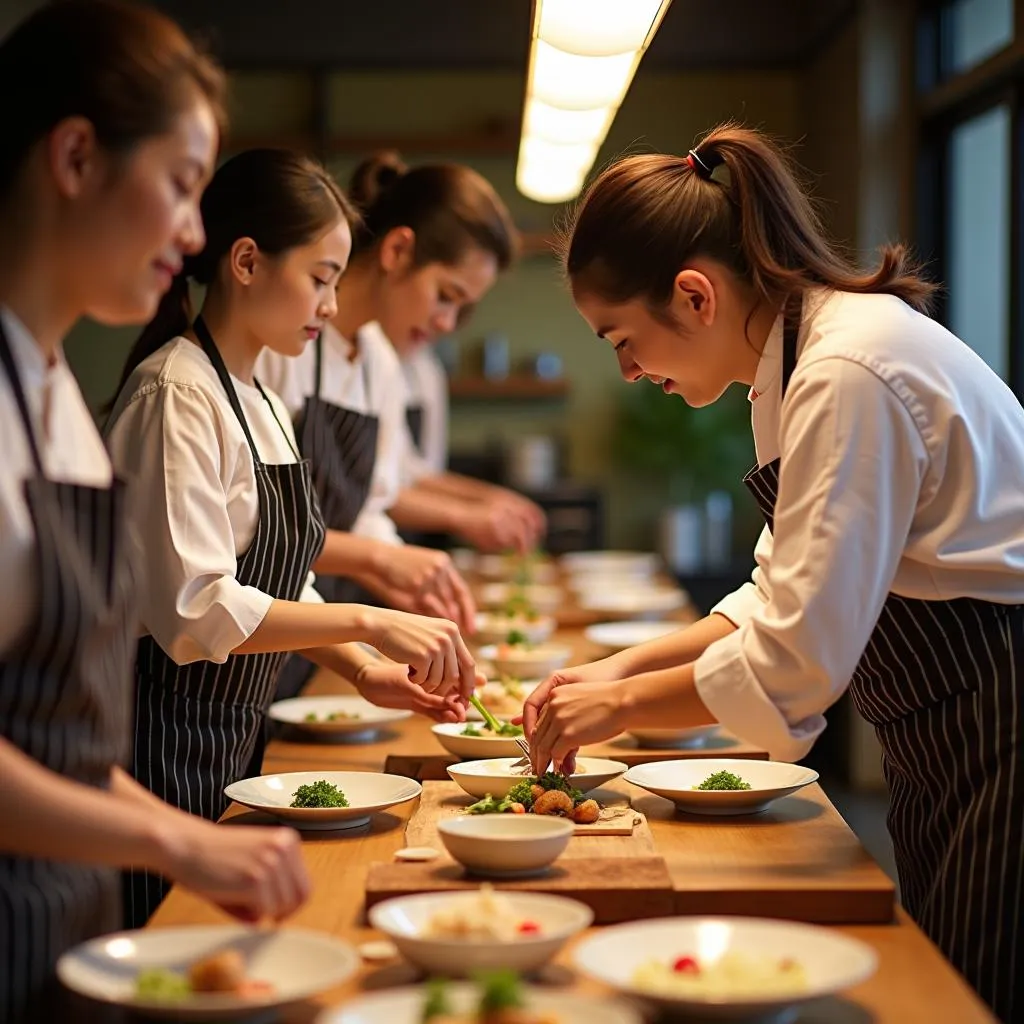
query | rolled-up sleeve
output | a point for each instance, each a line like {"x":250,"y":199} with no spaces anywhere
{"x":751,"y":598}
{"x":853,"y":466}
{"x":166,"y":443}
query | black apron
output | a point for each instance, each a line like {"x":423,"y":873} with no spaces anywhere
{"x":941,"y":683}
{"x":65,"y":700}
{"x":414,"y":420}
{"x":197,"y":725}
{"x":341,"y":445}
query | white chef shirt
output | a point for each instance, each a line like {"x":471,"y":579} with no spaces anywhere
{"x":71,"y":452}
{"x":426,"y":387}
{"x":344,"y":383}
{"x":194,"y":503}
{"x":902,"y":470}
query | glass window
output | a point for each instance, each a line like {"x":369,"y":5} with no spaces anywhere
{"x":973,"y":30}
{"x":979,"y":235}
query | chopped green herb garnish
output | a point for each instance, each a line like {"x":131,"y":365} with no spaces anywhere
{"x":437,"y":1003}
{"x":311,"y":717}
{"x":500,"y":990}
{"x":516,"y":638}
{"x":471,"y":730}
{"x":159,"y":983}
{"x":723,"y":781}
{"x":492,"y":805}
{"x":319,"y":794}
{"x":520,"y":793}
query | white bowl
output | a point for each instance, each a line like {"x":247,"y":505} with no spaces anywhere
{"x":404,"y":921}
{"x":505,"y":845}
{"x":495,"y":776}
{"x":499,"y":702}
{"x":639,"y":563}
{"x":368,"y":719}
{"x":620,"y":636}
{"x":299,"y":964}
{"x":494,"y":628}
{"x":528,"y":663}
{"x":506,"y":568}
{"x":831,"y":961}
{"x":405,"y":1006}
{"x":632,"y":602}
{"x":449,"y":735}
{"x":675,"y":780}
{"x":546,"y":599}
{"x":367,"y":793}
{"x":678,"y":739}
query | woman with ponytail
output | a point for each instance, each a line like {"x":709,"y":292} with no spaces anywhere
{"x":103,"y":163}
{"x":225,"y":505}
{"x":890,"y":472}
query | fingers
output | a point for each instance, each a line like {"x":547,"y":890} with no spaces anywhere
{"x":534,"y":704}
{"x":463,"y":598}
{"x":542,"y":742}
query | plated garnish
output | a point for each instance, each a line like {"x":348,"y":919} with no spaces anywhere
{"x":319,"y":794}
{"x":504,"y":696}
{"x":731,"y":975}
{"x":500,"y":1001}
{"x":486,"y":915}
{"x":550,"y":794}
{"x":333,"y":716}
{"x":485,"y":731}
{"x":723,"y":780}
{"x":223,"y":973}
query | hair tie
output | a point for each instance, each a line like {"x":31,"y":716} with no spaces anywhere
{"x":693,"y":158}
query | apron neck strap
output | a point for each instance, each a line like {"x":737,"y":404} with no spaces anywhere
{"x":7,"y":358}
{"x":791,"y":316}
{"x":319,"y":364}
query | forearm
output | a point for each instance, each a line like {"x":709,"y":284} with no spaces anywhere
{"x":666,"y":699}
{"x":345,"y":660}
{"x":456,"y":486}
{"x":432,"y":512}
{"x":300,"y":625}
{"x":673,"y":650}
{"x":350,"y":555}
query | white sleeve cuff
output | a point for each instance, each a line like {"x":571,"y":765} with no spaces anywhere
{"x":741,"y":604}
{"x":211,"y":630}
{"x":735,"y":697}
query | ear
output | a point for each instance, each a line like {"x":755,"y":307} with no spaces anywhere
{"x":397,"y":249}
{"x":74,"y":155}
{"x":694,"y":298}
{"x":242,"y":260}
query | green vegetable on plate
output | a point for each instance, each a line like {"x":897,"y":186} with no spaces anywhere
{"x":160,"y":984}
{"x":319,"y":794}
{"x":723,"y":781}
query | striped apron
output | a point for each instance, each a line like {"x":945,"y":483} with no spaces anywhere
{"x":197,"y":725}
{"x":65,"y":700}
{"x":414,"y":420}
{"x":341,"y":445}
{"x":939,"y":682}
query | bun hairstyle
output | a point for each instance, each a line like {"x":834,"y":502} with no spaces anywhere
{"x":278,"y":198}
{"x":125,"y":67}
{"x":449,"y":207}
{"x":735,"y":198}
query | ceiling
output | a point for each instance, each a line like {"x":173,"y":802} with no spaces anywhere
{"x":466,"y":34}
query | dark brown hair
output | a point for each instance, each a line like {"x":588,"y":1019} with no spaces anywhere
{"x":644,"y":217}
{"x":125,"y":67}
{"x":449,"y":207}
{"x":279,"y":199}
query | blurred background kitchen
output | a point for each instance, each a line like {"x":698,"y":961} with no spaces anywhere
{"x":907,"y":119}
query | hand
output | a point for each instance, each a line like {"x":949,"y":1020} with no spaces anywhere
{"x":492,"y":526}
{"x":604,"y":670}
{"x":414,"y":579}
{"x":387,"y":685}
{"x":436,"y":654}
{"x":530,"y":512}
{"x":573,"y":716}
{"x":250,"y":872}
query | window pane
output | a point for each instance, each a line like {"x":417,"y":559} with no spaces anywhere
{"x":976,"y":29}
{"x":979,"y":235}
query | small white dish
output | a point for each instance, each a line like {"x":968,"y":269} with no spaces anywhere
{"x":505,"y":845}
{"x":830,"y":962}
{"x":450,"y":736}
{"x":298,"y":964}
{"x":504,"y":699}
{"x":406,"y":921}
{"x":367,"y":794}
{"x":632,"y":602}
{"x":494,"y":628}
{"x":359,"y":719}
{"x":405,"y":1006}
{"x":509,"y":568}
{"x":620,"y":636}
{"x":496,"y":776}
{"x":544,"y":598}
{"x":630,"y":563}
{"x":675,"y":781}
{"x":674,"y":739}
{"x":527,"y":662}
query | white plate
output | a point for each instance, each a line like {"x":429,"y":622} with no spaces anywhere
{"x":639,"y":563}
{"x":502,"y":708}
{"x":505,"y":845}
{"x":674,"y":780}
{"x":635,"y":603}
{"x":546,"y":599}
{"x":405,"y":1006}
{"x":494,"y":628}
{"x":619,"y":636}
{"x":371,"y":718}
{"x":832,"y":962}
{"x":449,"y":735}
{"x":495,"y":776}
{"x":405,"y":919}
{"x":367,"y":793}
{"x":678,"y":739}
{"x":506,"y":568}
{"x":299,"y":964}
{"x":535,"y":663}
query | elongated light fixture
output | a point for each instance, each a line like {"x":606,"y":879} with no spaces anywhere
{"x":583,"y":56}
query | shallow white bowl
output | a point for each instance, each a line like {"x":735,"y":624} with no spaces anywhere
{"x":299,"y":964}
{"x":505,"y":568}
{"x":494,"y":628}
{"x":506,"y":707}
{"x":832,"y":961}
{"x":632,"y":602}
{"x":620,"y":636}
{"x":405,"y":1006}
{"x":495,"y":776}
{"x":546,"y":599}
{"x":367,"y":793}
{"x":371,"y":718}
{"x":642,"y":563}
{"x":505,"y":845}
{"x":678,"y":739}
{"x":449,"y":735}
{"x":537,"y":663}
{"x":674,"y":780}
{"x":405,"y":919}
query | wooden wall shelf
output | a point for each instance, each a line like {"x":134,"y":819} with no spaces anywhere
{"x":519,"y":387}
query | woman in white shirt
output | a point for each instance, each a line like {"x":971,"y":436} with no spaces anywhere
{"x":225,"y":507}
{"x":890,"y":473}
{"x":431,"y":244}
{"x":100,"y":176}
